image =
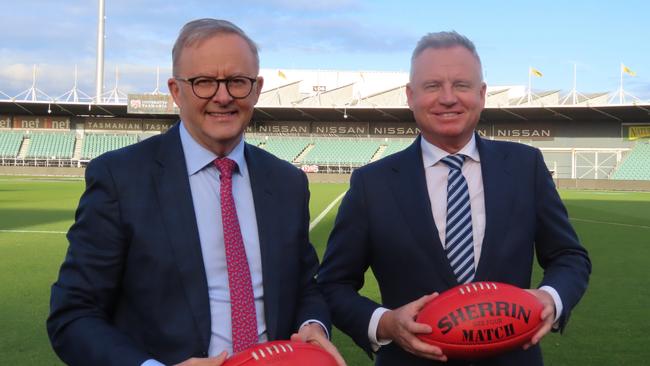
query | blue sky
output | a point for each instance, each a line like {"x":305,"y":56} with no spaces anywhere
{"x":338,"y":34}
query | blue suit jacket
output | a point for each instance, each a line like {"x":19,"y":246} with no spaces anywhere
{"x":133,"y":285}
{"x":385,"y":223}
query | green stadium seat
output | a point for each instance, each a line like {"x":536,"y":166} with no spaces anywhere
{"x":286,"y":148}
{"x":637,"y":164}
{"x":51,"y":145}
{"x":396,"y":145}
{"x":255,"y":141}
{"x":342,"y":151}
{"x":95,"y":144}
{"x":10,"y":144}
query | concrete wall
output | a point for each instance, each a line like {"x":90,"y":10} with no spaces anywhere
{"x":328,"y":178}
{"x":604,"y":184}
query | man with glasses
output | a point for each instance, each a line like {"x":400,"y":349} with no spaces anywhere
{"x":191,"y":245}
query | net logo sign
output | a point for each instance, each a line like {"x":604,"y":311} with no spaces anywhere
{"x":5,"y":122}
{"x":42,"y":123}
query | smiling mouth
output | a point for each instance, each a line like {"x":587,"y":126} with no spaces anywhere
{"x":448,"y":114}
{"x":222,"y":114}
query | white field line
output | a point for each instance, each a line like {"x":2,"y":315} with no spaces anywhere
{"x":325,"y":211}
{"x":311,"y":225}
{"x":33,"y":231}
{"x":609,"y":223}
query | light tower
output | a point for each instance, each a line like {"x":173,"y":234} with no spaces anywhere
{"x":99,"y":80}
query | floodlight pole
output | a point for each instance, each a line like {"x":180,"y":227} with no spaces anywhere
{"x":33,"y":88}
{"x":99,"y":80}
{"x":75,"y":96}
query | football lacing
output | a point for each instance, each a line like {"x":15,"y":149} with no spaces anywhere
{"x":277,"y":348}
{"x":481,"y":286}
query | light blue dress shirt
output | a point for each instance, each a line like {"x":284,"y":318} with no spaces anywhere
{"x":205,"y":186}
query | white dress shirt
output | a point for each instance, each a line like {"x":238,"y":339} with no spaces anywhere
{"x":436,"y":173}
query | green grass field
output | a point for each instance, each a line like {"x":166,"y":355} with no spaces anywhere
{"x":609,"y":327}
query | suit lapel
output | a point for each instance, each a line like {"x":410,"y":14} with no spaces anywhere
{"x":498,"y":202}
{"x":262,"y":183}
{"x":173,"y":190}
{"x":409,"y":187}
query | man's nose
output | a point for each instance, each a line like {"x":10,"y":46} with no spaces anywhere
{"x":222,"y":96}
{"x":447,"y":95}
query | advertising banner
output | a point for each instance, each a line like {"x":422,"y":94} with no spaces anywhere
{"x":151,"y":104}
{"x":638,"y":132}
{"x":40,"y":122}
{"x":339,"y":128}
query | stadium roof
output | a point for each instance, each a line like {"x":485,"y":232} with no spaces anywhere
{"x":327,"y":88}
{"x":614,"y":113}
{"x":330,"y":95}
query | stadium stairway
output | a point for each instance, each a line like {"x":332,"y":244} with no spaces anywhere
{"x":379,"y":153}
{"x":304,"y":153}
{"x":24,"y":148}
{"x":78,"y":143}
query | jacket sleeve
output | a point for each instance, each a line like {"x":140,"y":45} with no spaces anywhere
{"x":312,"y":305}
{"x":344,"y":265}
{"x":565,"y":261}
{"x":84,"y":295}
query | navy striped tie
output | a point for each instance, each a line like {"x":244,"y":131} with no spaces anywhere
{"x":459,"y":244}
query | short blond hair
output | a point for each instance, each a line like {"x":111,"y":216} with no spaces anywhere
{"x":440,"y":40}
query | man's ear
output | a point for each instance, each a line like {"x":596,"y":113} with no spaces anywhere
{"x":174,"y":89}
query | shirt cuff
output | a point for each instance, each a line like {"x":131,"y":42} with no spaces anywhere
{"x":556,"y":299}
{"x":319,"y":323}
{"x":372,"y":330}
{"x":151,"y":362}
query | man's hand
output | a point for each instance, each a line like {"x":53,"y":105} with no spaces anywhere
{"x":210,"y":361}
{"x":399,"y":326}
{"x":547,"y":316}
{"x":315,"y":334}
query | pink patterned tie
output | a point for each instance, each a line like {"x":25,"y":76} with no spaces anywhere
{"x":244,"y":321}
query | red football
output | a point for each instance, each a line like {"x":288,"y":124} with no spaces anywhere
{"x":282,"y":353}
{"x":481,"y":319}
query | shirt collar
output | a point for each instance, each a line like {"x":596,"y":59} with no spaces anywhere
{"x":432,"y":154}
{"x":198,"y":157}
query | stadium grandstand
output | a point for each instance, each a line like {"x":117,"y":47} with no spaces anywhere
{"x":336,"y":121}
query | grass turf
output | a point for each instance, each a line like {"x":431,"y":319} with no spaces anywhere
{"x":609,"y":326}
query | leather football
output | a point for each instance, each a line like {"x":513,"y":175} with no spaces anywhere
{"x":282,"y":353}
{"x":481,"y":319}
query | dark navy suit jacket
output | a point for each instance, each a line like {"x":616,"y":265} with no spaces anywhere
{"x":385,"y":223}
{"x":133,"y":286}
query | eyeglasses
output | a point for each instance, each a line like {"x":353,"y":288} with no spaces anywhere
{"x":205,"y":87}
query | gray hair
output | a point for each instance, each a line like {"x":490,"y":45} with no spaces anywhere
{"x":201,"y":29}
{"x":440,"y":40}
